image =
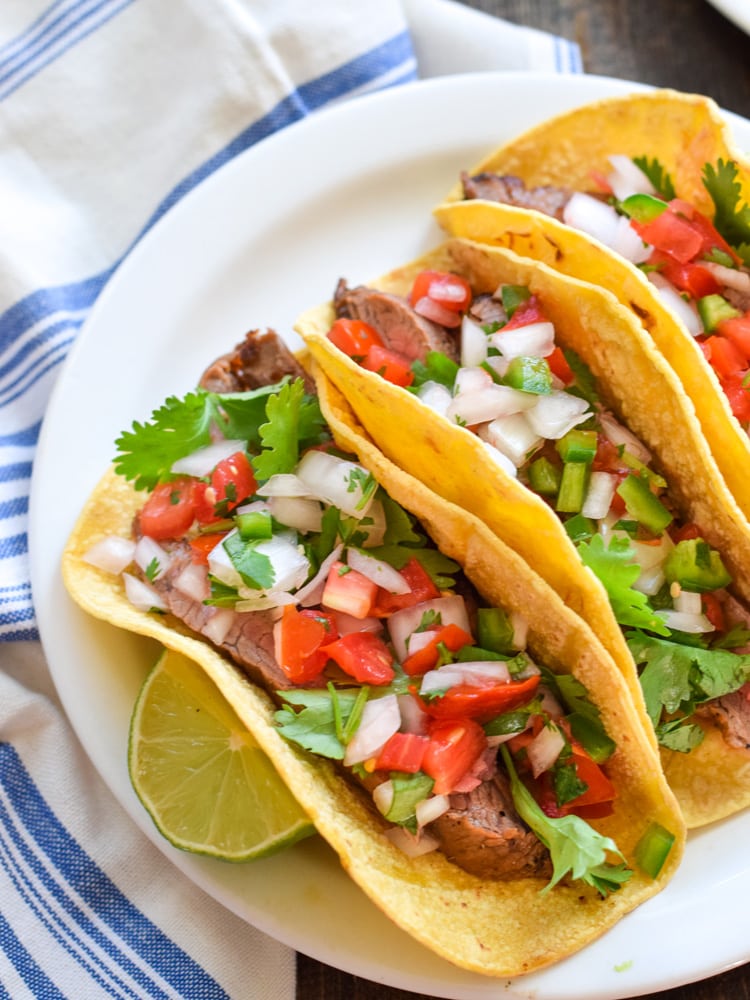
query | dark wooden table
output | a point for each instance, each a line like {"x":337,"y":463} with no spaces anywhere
{"x":685,"y":44}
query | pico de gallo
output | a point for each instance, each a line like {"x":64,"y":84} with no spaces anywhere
{"x":536,"y":408}
{"x":699,"y":266}
{"x":389,"y":664}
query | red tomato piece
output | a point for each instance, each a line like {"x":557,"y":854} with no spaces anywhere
{"x":672,"y":233}
{"x":300,"y":645}
{"x":526,"y":313}
{"x":738,"y":393}
{"x":348,"y":591}
{"x":202,"y":545}
{"x":354,"y":337}
{"x":737,"y":329}
{"x":391,"y":365}
{"x":453,"y":637}
{"x":724,"y":357}
{"x":685,"y":531}
{"x":482,"y":701}
{"x":402,"y":752}
{"x":693,"y":278}
{"x":422,"y":589}
{"x":448,"y":290}
{"x":170,"y":510}
{"x":713,"y":611}
{"x":559,"y":366}
{"x":453,"y":749}
{"x":600,"y":788}
{"x":231,"y":482}
{"x":364,"y":656}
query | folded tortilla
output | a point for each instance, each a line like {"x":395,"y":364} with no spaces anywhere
{"x":713,"y":780}
{"x":495,"y":928}
{"x":684,"y":132}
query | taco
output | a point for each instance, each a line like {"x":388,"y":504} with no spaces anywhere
{"x":647,"y":196}
{"x":345,"y":633}
{"x":557,"y":423}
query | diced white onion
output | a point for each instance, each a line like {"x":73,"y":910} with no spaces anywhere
{"x":556,"y":414}
{"x":689,"y":602}
{"x":335,"y":480}
{"x":411,"y":846}
{"x":473,"y":343}
{"x":380,"y":720}
{"x":436,"y":312}
{"x":192,"y":581}
{"x":683,"y":310}
{"x":290,"y":565}
{"x":203,"y":461}
{"x":266,"y":600}
{"x":512,"y":435}
{"x":376,"y":531}
{"x":520,"y":633}
{"x":544,"y":749}
{"x":312,"y":591}
{"x":300,"y":513}
{"x":618,"y":435}
{"x":592,"y":216}
{"x":550,"y":704}
{"x":628,"y":244}
{"x":650,"y":581}
{"x":599,"y":495}
{"x":627,"y":178}
{"x":438,"y":397}
{"x":382,"y":796}
{"x":418,"y":640}
{"x":477,"y":672}
{"x":148,"y":553}
{"x":379,"y":571}
{"x":681,"y":621}
{"x":348,"y":623}
{"x":414,"y":719}
{"x":429,"y":809}
{"x":730,"y":277}
{"x":401,"y":624}
{"x":218,"y":625}
{"x":141,"y":595}
{"x":111,"y":554}
{"x":503,"y":461}
{"x":284,"y":484}
{"x":471,"y":380}
{"x":492,"y":401}
{"x":535,"y":340}
{"x":650,"y":555}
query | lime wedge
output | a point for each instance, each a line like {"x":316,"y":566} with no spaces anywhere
{"x":207,"y":785}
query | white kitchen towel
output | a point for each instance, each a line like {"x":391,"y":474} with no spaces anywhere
{"x":111,"y":111}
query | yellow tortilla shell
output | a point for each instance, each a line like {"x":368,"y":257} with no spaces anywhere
{"x":494,"y":928}
{"x":641,"y":389}
{"x":684,"y":132}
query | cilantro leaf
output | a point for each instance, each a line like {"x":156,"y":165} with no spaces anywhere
{"x":615,"y":568}
{"x":583,"y":715}
{"x":436,"y":367}
{"x":255,"y":568}
{"x":730,"y":218}
{"x":658,"y":176}
{"x":316,"y":727}
{"x":585,"y":382}
{"x":574,"y":846}
{"x":293,"y":420}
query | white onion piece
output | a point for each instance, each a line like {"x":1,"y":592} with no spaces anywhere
{"x":628,"y":244}
{"x":627,"y":178}
{"x":730,"y":277}
{"x":218,"y":625}
{"x":550,"y":704}
{"x":498,"y":458}
{"x":544,"y":749}
{"x":290,"y":566}
{"x":681,"y":621}
{"x":618,"y":435}
{"x":202,"y":462}
{"x":141,"y":595}
{"x":512,"y":436}
{"x":535,"y":340}
{"x":284,"y":484}
{"x":253,"y":507}
{"x":438,"y":397}
{"x":492,"y":401}
{"x":689,"y":602}
{"x":220,"y":565}
{"x":111,"y":554}
{"x":498,"y":364}
{"x":684,"y":311}
{"x":520,"y":633}
{"x":436,"y":312}
{"x":592,"y":216}
{"x":266,"y":600}
{"x":411,"y":846}
{"x":380,"y":720}
{"x":375,"y":531}
{"x":599,"y":495}
{"x":430,"y":809}
{"x":379,"y":571}
{"x":382,"y":796}
{"x":556,"y":414}
{"x":345,"y":624}
{"x":335,"y":480}
{"x":148,"y":553}
{"x":401,"y":624}
{"x":192,"y":581}
{"x":414,"y":719}
{"x":471,"y":380}
{"x":477,"y":672}
{"x":473,"y":343}
{"x":650,"y":581}
{"x":648,"y":555}
{"x":311,"y":592}
{"x":300,"y":513}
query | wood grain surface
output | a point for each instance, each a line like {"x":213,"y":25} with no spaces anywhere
{"x":685,"y":44}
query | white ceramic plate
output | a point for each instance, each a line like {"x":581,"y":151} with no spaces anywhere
{"x":345,"y":193}
{"x":737,"y":11}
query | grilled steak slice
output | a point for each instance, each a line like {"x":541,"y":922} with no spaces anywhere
{"x":484,"y":835}
{"x":486,"y":310}
{"x":261,"y":359}
{"x":731,"y":713}
{"x":512,"y":191}
{"x":403,"y":330}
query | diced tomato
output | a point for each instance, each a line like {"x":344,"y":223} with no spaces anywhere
{"x":713,"y":611}
{"x":607,"y":458}
{"x":450,"y":291}
{"x":527,"y":312}
{"x":693,"y":278}
{"x":737,"y":330}
{"x":452,"y":636}
{"x":454,"y":747}
{"x":170,"y":510}
{"x":684,"y":532}
{"x":202,"y":545}
{"x":422,"y":589}
{"x":672,"y":233}
{"x":354,"y":337}
{"x":712,"y":239}
{"x":559,"y":366}
{"x":600,"y":788}
{"x":301,"y":638}
{"x":601,"y":180}
{"x":737,"y":389}
{"x":391,"y":365}
{"x":723,"y":356}
{"x":364,"y":656}
{"x":482,"y":701}
{"x":231,"y":482}
{"x":349,"y":591}
{"x":402,"y":752}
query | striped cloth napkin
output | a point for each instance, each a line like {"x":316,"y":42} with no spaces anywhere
{"x":111,"y":111}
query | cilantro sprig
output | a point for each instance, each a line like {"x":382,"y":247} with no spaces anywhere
{"x":731,"y":218}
